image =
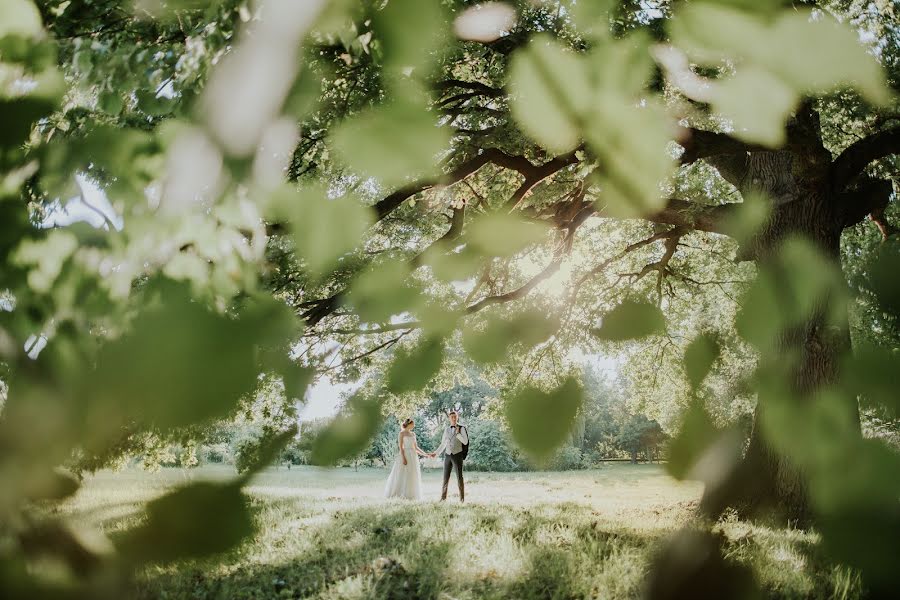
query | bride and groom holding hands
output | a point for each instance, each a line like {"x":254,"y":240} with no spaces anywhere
{"x":405,"y":480}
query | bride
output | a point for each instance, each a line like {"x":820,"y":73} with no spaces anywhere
{"x":405,"y":480}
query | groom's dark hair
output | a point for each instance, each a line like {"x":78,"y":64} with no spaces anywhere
{"x":452,"y":412}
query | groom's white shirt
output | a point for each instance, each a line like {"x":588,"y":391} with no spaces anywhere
{"x":453,"y":443}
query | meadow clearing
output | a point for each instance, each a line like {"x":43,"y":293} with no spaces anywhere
{"x":329,"y":534}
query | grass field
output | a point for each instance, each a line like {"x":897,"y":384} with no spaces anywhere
{"x":578,"y":534}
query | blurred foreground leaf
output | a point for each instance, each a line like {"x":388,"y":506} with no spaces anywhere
{"x":183,"y":524}
{"x":383,"y":290}
{"x":631,"y":320}
{"x":884,"y":278}
{"x":493,"y":342}
{"x":541,"y":421}
{"x":266,"y":451}
{"x":692,"y":565}
{"x":323,"y":228}
{"x":549,"y":93}
{"x":349,"y":433}
{"x":391,"y":142}
{"x":412,"y":369}
{"x":180,"y":364}
{"x":699,"y":357}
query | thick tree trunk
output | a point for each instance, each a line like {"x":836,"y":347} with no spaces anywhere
{"x":776,"y":484}
{"x":767,"y":481}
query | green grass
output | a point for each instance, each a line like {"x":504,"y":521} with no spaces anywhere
{"x":329,"y":534}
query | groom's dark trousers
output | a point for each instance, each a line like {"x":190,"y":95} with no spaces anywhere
{"x":451,"y":461}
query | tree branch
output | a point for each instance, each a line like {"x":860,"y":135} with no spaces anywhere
{"x":386,"y":344}
{"x":886,"y":228}
{"x":699,"y":217}
{"x":519,"y":292}
{"x":674,"y":233}
{"x":732,"y":167}
{"x":490,"y":155}
{"x":853,"y":160}
{"x":479,"y":89}
{"x":699,"y":144}
{"x":868,"y":196}
{"x":662,"y":265}
{"x":455,"y":230}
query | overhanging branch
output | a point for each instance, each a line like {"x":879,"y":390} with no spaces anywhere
{"x":690,"y":215}
{"x":852,"y":162}
{"x":868,"y":196}
{"x":699,"y":144}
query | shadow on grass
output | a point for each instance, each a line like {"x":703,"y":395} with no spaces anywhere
{"x":309,"y":548}
{"x":402,"y":550}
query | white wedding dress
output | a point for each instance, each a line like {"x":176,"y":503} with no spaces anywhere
{"x":405,"y":481}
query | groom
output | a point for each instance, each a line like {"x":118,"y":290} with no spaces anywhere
{"x":455,"y":435}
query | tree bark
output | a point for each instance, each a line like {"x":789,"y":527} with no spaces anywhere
{"x":802,"y":205}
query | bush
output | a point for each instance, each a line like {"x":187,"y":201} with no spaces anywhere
{"x":490,"y":448}
{"x":215,"y":453}
{"x":568,"y":458}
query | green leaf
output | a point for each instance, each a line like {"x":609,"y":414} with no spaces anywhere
{"x":631,"y":320}
{"x":179,"y":365}
{"x":20,"y":17}
{"x":46,"y":257}
{"x":815,"y":282}
{"x":549,"y":93}
{"x":695,"y":436}
{"x":414,"y":368}
{"x":777,"y":60}
{"x":296,"y":379}
{"x":759,"y":320}
{"x":749,"y":218}
{"x":383,"y":290}
{"x":630,"y":142}
{"x":693,"y":560}
{"x":152,"y":104}
{"x":20,"y":115}
{"x":827,"y":55}
{"x":593,"y":19}
{"x":392,"y":143}
{"x":699,"y":357}
{"x":452,"y":264}
{"x":437,"y":318}
{"x":871,"y":373}
{"x":856,"y":497}
{"x":54,"y":484}
{"x":883,"y":276}
{"x":777,"y":300}
{"x":110,"y":102}
{"x":183,"y":524}
{"x":323,"y":229}
{"x":349,"y":433}
{"x":411,"y":32}
{"x":622,"y":69}
{"x":267,"y":451}
{"x":756,"y":120}
{"x":541,"y":421}
{"x":499,"y":234}
{"x":711,"y":33}
{"x":187,"y":266}
{"x":866,"y":540}
{"x":491,"y":344}
{"x":814,"y":433}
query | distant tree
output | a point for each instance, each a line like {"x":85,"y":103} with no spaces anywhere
{"x":490,"y":448}
{"x":639,"y":434}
